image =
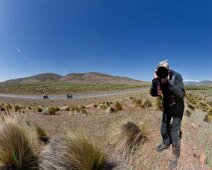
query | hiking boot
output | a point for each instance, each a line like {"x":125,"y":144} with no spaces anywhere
{"x":173,"y":162}
{"x":161,"y":147}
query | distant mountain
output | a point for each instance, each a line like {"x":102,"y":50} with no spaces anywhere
{"x":45,"y":77}
{"x":199,"y":83}
{"x":91,"y":77}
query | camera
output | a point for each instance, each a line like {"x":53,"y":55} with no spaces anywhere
{"x":162,"y":72}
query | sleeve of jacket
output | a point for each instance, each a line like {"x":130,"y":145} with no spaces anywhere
{"x":176,"y":86}
{"x":153,"y":89}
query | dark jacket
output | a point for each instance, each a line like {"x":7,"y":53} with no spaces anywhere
{"x":173,"y":92}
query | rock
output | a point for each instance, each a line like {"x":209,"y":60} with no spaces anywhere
{"x":202,"y":158}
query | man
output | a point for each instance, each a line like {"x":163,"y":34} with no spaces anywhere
{"x":171,"y":90}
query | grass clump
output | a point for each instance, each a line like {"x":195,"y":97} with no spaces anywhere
{"x":103,"y":106}
{"x":210,"y":113}
{"x":118,"y":106}
{"x":16,"y":150}
{"x":73,"y":151}
{"x":188,"y":113}
{"x":146,"y":104}
{"x":50,"y":110}
{"x":2,"y":107}
{"x":128,"y":135}
{"x":41,"y":134}
{"x":137,"y":102}
{"x":39,"y":109}
{"x":18,"y":108}
{"x":192,"y":107}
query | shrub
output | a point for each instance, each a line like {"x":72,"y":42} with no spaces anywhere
{"x":16,"y":151}
{"x":73,"y":151}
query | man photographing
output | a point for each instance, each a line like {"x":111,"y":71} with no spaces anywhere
{"x":168,"y":85}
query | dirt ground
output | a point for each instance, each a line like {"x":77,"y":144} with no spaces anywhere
{"x":98,"y":124}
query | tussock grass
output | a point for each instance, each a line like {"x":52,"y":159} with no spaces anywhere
{"x":42,"y":135}
{"x":2,"y":107}
{"x":210,"y":113}
{"x":16,"y":150}
{"x":18,"y":108}
{"x":188,"y":113}
{"x":146,"y":104}
{"x":137,"y":102}
{"x":73,"y":151}
{"x":50,"y":110}
{"x":128,"y":135}
{"x":103,"y":106}
{"x":39,"y":109}
{"x":192,"y":107}
{"x":83,"y":111}
{"x":208,"y":117}
{"x":64,"y":108}
{"x":75,"y":109}
{"x":117,"y":106}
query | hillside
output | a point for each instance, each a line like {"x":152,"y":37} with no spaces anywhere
{"x":89,"y":78}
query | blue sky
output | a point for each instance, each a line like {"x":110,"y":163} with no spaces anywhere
{"x":119,"y":37}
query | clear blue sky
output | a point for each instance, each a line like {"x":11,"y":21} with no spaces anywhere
{"x":119,"y":37}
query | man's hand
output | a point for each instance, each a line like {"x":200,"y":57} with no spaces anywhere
{"x":155,"y":75}
{"x":166,"y":80}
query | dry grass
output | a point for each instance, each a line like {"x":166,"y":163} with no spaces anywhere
{"x":118,"y":107}
{"x":192,"y":107}
{"x":188,"y":113}
{"x":18,"y":108}
{"x":73,"y":151}
{"x":2,"y":108}
{"x":128,"y":135}
{"x":50,"y":110}
{"x":103,"y":106}
{"x":39,"y":109}
{"x":137,"y":102}
{"x":146,"y":104}
{"x":16,"y":147}
{"x":41,"y":134}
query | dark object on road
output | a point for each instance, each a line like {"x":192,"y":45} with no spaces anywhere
{"x":69,"y":96}
{"x":46,"y":97}
{"x":162,"y":72}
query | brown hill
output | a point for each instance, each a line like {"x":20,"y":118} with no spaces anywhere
{"x":90,"y":78}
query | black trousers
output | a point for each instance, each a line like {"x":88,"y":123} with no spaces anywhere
{"x":171,"y":133}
